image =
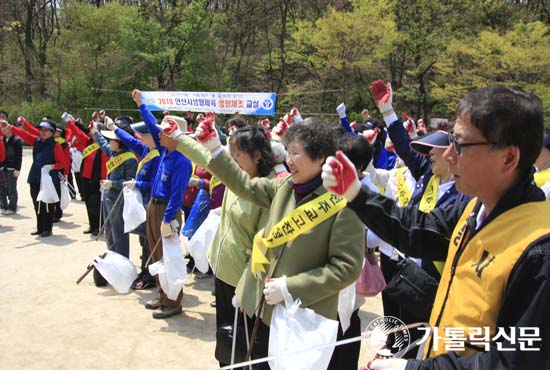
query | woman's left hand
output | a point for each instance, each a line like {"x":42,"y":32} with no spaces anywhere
{"x":273,"y":290}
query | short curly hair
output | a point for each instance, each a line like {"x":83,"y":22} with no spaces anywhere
{"x":316,"y":135}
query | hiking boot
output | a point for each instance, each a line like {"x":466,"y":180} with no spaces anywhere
{"x":166,"y":312}
{"x":154,"y":304}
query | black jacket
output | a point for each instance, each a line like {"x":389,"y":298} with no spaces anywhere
{"x":526,"y":301}
{"x":14,"y":153}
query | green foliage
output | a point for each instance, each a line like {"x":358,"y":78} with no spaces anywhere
{"x":432,"y":51}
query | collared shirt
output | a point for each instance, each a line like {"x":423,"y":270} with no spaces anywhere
{"x":173,"y":172}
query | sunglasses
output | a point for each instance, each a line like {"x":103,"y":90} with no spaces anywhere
{"x":458,"y":146}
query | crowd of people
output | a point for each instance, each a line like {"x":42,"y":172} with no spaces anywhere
{"x":454,"y":210}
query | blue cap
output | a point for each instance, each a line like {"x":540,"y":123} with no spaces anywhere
{"x":439,"y":139}
{"x":140,"y":128}
{"x":48,"y":125}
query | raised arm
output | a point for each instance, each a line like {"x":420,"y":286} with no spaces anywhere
{"x":81,"y":138}
{"x":27,"y":137}
{"x":131,"y":142}
{"x":104,"y":145}
{"x":148,"y":117}
{"x":29,"y":126}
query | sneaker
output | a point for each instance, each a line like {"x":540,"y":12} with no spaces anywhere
{"x":166,"y":312}
{"x":2,"y":211}
{"x":8,"y":212}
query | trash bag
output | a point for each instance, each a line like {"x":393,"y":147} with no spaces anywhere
{"x":198,"y":212}
{"x":99,"y":280}
{"x":296,"y":329}
{"x":171,"y":269}
{"x":47,"y":193}
{"x":201,"y":240}
{"x":76,"y":159}
{"x":133,"y":212}
{"x":346,"y":304}
{"x":65,"y":195}
{"x":118,"y":270}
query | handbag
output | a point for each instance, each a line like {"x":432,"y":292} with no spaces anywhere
{"x":414,"y":288}
{"x":371,"y":281}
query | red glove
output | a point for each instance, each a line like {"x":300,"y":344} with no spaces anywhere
{"x":352,"y":125}
{"x":340,"y":176}
{"x":371,"y":135}
{"x":102,"y":114}
{"x":207,"y":134}
{"x":382,"y":95}
{"x":166,"y":113}
{"x":95,"y":117}
{"x":281,"y":128}
{"x":200,"y":117}
{"x":22,"y":120}
{"x":296,"y":116}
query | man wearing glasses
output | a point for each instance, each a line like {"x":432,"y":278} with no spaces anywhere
{"x":496,"y":246}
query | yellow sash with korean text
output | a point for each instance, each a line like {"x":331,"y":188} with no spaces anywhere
{"x":116,"y":161}
{"x":89,"y":150}
{"x":60,"y":140}
{"x":403,"y":193}
{"x":542,"y":177}
{"x":427,"y":204}
{"x":152,"y":154}
{"x":302,"y":219}
{"x":429,"y":198}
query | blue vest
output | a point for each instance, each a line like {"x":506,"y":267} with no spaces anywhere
{"x":42,"y":154}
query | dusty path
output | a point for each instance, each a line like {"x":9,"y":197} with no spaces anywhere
{"x":48,"y":322}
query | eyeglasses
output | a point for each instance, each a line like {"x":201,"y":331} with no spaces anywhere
{"x":458,"y":146}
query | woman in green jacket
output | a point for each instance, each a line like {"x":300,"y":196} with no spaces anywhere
{"x":312,"y":254}
{"x":240,"y":219}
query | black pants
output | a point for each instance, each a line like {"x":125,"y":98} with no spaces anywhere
{"x":225,"y":314}
{"x":346,"y":357}
{"x":79,"y":184}
{"x":44,"y":212}
{"x":145,"y":253}
{"x":93,"y":202}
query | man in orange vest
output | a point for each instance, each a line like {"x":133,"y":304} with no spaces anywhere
{"x":492,"y":304}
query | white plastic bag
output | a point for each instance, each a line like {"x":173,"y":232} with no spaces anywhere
{"x":65,"y":196}
{"x":171,"y":269}
{"x":47,"y":193}
{"x":118,"y":270}
{"x":201,"y":240}
{"x":296,"y":329}
{"x":346,"y":304}
{"x":133,"y":212}
{"x":76,"y":157}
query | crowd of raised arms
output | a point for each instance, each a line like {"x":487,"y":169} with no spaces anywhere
{"x":447,"y":219}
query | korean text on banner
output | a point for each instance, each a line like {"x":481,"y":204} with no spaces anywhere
{"x":261,"y":104}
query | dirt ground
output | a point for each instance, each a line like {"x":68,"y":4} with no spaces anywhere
{"x":48,"y":322}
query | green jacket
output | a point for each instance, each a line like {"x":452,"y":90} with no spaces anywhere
{"x":240,"y":221}
{"x":318,"y":264}
{"x":232,"y":244}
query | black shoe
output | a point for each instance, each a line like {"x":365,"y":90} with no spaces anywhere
{"x":95,"y":232}
{"x":166,"y":312}
{"x":155,"y":304}
{"x":36,"y":232}
{"x":45,"y":234}
{"x":56,"y":219}
{"x":88,"y":231}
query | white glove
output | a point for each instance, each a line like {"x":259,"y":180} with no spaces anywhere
{"x":48,"y":167}
{"x":273,"y":290}
{"x":341,"y":110}
{"x":130,"y":184}
{"x":16,"y":173}
{"x":234,"y":301}
{"x":340,"y":176}
{"x":389,"y":364}
{"x":109,"y":123}
{"x":106,"y":184}
{"x":194,"y":182}
{"x":67,"y":117}
{"x":169,"y":229}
